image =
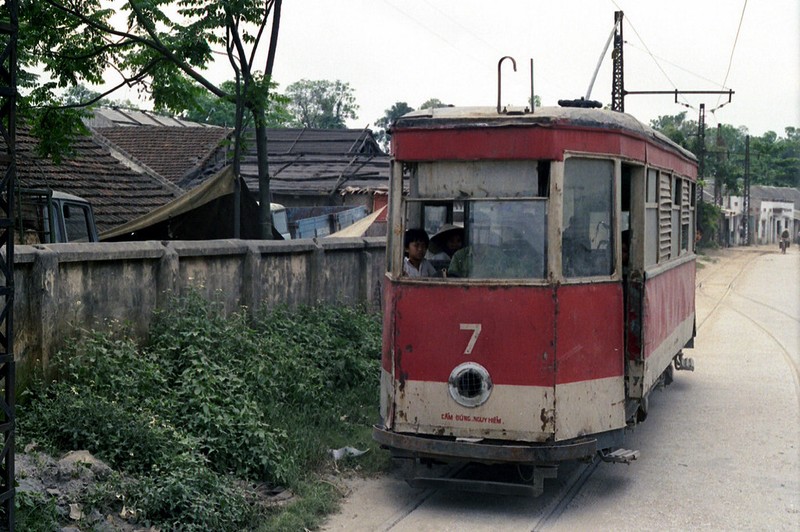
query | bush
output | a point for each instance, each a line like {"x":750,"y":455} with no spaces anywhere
{"x":209,"y":399}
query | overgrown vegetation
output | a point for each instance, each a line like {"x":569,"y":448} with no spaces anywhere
{"x":213,"y":407}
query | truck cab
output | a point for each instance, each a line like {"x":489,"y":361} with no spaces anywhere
{"x":47,"y":216}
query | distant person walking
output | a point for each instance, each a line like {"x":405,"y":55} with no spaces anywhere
{"x":784,"y":240}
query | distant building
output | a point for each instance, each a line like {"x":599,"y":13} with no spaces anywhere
{"x":772,"y":210}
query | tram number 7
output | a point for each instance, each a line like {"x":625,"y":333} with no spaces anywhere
{"x":476,"y":331}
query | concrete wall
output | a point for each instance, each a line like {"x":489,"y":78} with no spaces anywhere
{"x":65,"y":287}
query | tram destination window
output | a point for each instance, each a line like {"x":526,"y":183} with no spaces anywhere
{"x":587,"y":243}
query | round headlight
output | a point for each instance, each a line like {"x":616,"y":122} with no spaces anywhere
{"x":470,"y":384}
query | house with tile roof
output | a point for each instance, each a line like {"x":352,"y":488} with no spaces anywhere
{"x":117,"y":193}
{"x":307,"y":167}
{"x":311,"y":171}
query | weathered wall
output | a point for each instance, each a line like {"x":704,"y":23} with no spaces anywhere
{"x":65,"y":287}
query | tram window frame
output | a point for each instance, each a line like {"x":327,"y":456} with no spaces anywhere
{"x":458,"y":183}
{"x":504,"y":233}
{"x":669,"y":217}
{"x":693,"y":215}
{"x":583,"y":254}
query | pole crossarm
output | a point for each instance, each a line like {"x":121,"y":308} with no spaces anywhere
{"x":677,"y":92}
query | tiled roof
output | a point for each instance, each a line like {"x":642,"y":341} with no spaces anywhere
{"x":304,"y":162}
{"x":319,"y":161}
{"x":769,"y":193}
{"x":117,"y":193}
{"x":173,"y":152}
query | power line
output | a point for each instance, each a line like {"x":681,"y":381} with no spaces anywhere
{"x":457,"y":23}
{"x":432,"y":31}
{"x":695,"y":74}
{"x":730,"y":61}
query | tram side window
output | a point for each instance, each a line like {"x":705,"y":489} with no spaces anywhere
{"x":587,"y":243}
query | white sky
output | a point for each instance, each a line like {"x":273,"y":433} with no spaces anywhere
{"x":414,"y":50}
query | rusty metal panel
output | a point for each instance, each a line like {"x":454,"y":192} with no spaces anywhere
{"x":668,"y":302}
{"x":449,"y":449}
{"x":666,"y":314}
{"x":589,"y":332}
{"x":505,"y":330}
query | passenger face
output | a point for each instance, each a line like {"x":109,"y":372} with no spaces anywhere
{"x":454,"y":243}
{"x":417,"y":250}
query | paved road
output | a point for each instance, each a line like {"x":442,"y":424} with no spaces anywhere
{"x":720,"y":448}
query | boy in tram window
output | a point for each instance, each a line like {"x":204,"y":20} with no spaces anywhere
{"x":415,"y":264}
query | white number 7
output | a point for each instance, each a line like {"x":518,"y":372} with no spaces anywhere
{"x":476,"y":331}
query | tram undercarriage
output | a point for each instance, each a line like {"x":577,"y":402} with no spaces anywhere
{"x":472,"y":464}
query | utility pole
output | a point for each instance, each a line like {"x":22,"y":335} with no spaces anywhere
{"x":618,"y":79}
{"x":8,"y":104}
{"x":701,"y":149}
{"x":722,"y":153}
{"x":618,"y":91}
{"x":701,"y":165}
{"x":718,"y":185}
{"x":746,"y":199}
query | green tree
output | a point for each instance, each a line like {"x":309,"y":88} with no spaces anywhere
{"x":384,"y":123}
{"x":209,"y":109}
{"x":776,"y":161}
{"x":433,"y":103}
{"x":161,"y":46}
{"x":678,"y":129}
{"x":321,"y":104}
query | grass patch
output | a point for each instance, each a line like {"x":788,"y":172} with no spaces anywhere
{"x":211,"y":404}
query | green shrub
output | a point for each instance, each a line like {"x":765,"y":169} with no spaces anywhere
{"x":35,"y":512}
{"x":209,"y":398}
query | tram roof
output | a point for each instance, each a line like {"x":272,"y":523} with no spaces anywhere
{"x":460,"y":117}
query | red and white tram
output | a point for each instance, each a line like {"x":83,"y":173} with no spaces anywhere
{"x":573,"y":293}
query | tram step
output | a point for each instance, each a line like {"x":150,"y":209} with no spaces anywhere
{"x":685,"y":364}
{"x":620,"y":456}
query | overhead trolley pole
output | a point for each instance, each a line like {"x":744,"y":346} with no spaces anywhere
{"x":8,"y":99}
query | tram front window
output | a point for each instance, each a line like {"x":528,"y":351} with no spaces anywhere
{"x":505,"y":240}
{"x":586,"y":244}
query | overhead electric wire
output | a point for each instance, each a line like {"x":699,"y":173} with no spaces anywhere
{"x":457,"y":23}
{"x":695,"y":74}
{"x":730,"y":61}
{"x":431,"y":31}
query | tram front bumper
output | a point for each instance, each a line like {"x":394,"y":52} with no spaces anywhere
{"x":450,"y":449}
